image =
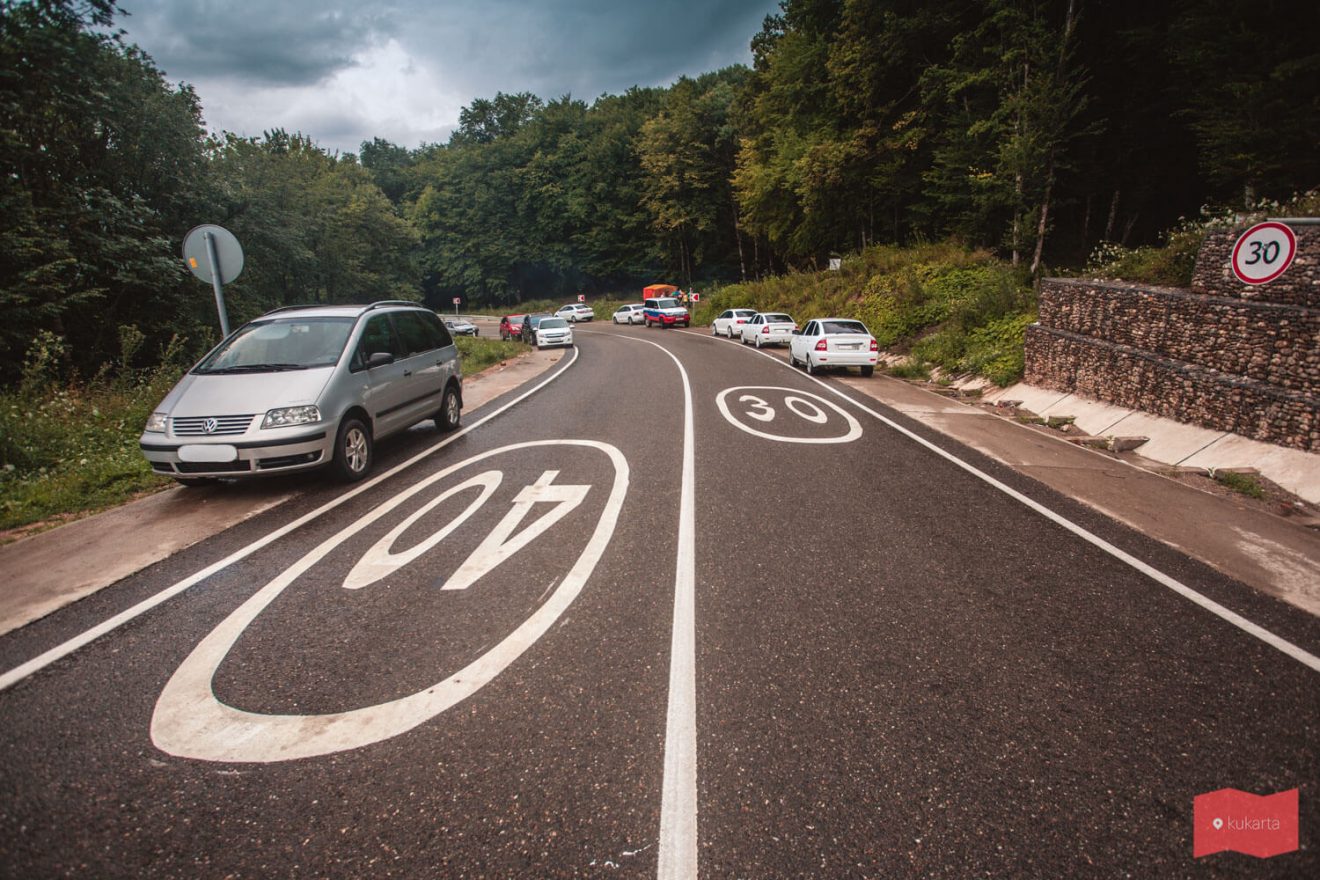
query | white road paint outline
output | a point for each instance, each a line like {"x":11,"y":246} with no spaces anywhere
{"x":191,"y":722}
{"x":1301,"y":655}
{"x":677,"y":853}
{"x":64,"y":649}
{"x":767,"y":413}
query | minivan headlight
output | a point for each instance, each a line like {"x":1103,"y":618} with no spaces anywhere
{"x":156,"y":423}
{"x":291,"y":415}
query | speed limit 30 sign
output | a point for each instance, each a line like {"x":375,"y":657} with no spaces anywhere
{"x":1263,"y":252}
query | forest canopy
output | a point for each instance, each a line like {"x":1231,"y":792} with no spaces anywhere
{"x":1036,"y":129}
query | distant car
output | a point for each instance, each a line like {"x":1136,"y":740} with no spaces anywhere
{"x":461,"y":327}
{"x":553,"y":330}
{"x":729,"y":320}
{"x":665,"y":312}
{"x":527,"y":330}
{"x":304,"y":387}
{"x":834,"y":342}
{"x":574,"y":312}
{"x":767,"y":328}
{"x":511,"y":326}
{"x":630,"y":314}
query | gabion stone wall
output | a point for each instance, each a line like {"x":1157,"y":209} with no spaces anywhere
{"x":1225,"y":355}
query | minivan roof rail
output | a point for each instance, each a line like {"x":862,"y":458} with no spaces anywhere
{"x":375,"y":305}
{"x":392,"y":302}
{"x":290,"y":309}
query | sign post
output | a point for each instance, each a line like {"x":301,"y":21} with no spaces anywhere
{"x":214,"y":255}
{"x":457,"y":300}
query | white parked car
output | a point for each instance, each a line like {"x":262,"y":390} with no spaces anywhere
{"x":575,"y":312}
{"x":630,"y":314}
{"x":461,"y":327}
{"x":767,"y":328}
{"x":834,"y":342}
{"x":729,"y":320}
{"x":553,"y":331}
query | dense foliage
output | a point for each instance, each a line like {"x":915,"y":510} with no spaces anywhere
{"x":1035,"y":129}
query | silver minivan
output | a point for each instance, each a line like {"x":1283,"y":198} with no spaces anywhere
{"x":304,"y":387}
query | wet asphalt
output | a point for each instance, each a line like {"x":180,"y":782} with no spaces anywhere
{"x":900,"y":671}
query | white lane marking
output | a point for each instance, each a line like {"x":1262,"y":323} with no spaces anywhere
{"x":1226,"y":614}
{"x":64,"y":649}
{"x":677,"y":852}
{"x":766,"y":413}
{"x":191,"y":722}
{"x":805,"y":409}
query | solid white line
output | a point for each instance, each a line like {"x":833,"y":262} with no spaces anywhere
{"x":678,"y":800}
{"x":1254,"y":629}
{"x":36,"y":664}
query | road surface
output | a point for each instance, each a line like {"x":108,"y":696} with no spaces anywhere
{"x":674,"y":610}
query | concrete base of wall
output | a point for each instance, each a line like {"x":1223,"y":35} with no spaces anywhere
{"x":1171,"y":442}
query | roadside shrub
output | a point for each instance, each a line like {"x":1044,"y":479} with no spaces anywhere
{"x":997,"y":350}
{"x":71,"y":445}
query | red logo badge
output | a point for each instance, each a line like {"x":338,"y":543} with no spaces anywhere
{"x":1257,"y":825}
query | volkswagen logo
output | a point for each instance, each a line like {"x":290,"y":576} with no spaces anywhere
{"x":210,"y":425}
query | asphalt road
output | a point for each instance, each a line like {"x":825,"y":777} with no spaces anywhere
{"x":678,"y":610}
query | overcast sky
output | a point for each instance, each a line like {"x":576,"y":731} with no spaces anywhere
{"x":401,"y":69}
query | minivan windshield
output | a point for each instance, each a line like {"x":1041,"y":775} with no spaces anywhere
{"x":282,"y":344}
{"x":666,"y":303}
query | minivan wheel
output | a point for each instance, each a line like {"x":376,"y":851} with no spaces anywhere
{"x":353,"y":456}
{"x":868,"y":370}
{"x":451,"y":410}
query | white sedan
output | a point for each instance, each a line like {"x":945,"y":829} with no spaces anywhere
{"x":767,"y":328}
{"x":553,"y":331}
{"x":576,"y":312}
{"x":727,"y":323}
{"x":834,"y":342}
{"x":630,"y":314}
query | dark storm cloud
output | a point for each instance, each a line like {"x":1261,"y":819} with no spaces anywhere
{"x":588,"y":47}
{"x":270,"y":43}
{"x":403,"y":68}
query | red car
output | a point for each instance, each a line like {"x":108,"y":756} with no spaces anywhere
{"x":511,"y":326}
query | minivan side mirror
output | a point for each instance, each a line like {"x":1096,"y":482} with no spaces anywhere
{"x":379,"y":359}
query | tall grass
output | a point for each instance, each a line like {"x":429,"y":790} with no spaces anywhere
{"x":70,"y":445}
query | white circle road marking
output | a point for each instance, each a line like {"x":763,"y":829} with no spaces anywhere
{"x":795,"y":401}
{"x":190,"y":722}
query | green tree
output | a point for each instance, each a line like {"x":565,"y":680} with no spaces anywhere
{"x":1248,"y":76}
{"x":101,"y":170}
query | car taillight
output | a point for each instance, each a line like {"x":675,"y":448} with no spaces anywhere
{"x":766,"y":329}
{"x":875,"y":346}
{"x":822,"y":346}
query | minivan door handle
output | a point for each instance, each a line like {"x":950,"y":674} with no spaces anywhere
{"x":407,"y":372}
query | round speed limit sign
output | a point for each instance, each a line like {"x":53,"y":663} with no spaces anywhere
{"x":1263,"y":252}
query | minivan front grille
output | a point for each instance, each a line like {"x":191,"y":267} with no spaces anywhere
{"x":210,"y":426}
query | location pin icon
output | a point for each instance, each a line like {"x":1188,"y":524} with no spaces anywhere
{"x":1218,"y":823}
